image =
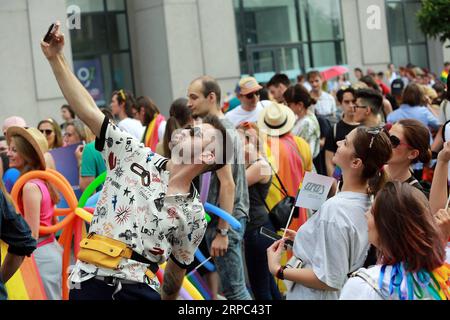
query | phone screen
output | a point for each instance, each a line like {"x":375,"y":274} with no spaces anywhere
{"x":274,"y":236}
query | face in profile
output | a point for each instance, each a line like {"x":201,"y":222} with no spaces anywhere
{"x":15,"y":158}
{"x":197,"y":102}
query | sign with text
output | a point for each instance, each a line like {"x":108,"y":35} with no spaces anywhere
{"x":314,"y":191}
{"x":89,"y":72}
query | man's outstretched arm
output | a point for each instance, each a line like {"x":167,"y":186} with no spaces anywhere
{"x":76,"y":95}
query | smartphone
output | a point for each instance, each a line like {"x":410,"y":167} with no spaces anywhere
{"x":48,"y":37}
{"x":274,"y":236}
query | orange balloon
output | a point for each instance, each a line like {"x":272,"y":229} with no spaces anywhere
{"x":60,"y":184}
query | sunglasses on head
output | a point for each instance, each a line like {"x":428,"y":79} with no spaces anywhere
{"x":122,"y":95}
{"x":47,"y":132}
{"x":251,"y":95}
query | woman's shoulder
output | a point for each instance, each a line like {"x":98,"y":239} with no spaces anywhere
{"x":361,"y":285}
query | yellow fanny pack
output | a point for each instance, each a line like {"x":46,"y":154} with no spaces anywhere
{"x":103,"y":251}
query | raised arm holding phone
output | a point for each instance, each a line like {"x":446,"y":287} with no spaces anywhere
{"x":158,"y":217}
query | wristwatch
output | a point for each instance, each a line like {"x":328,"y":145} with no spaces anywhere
{"x":280,"y":273}
{"x":222,"y":232}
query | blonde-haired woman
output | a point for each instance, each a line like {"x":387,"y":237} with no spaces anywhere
{"x":36,"y":201}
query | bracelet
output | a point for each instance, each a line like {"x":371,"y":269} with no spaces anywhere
{"x":280,"y":273}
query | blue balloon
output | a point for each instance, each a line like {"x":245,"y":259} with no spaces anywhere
{"x":201,"y":258}
{"x":236,"y":225}
{"x":92,"y":201}
{"x":10,"y":177}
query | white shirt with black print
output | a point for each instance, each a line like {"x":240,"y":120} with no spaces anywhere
{"x":133,"y":207}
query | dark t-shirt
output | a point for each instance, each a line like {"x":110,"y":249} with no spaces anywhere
{"x":342,"y":129}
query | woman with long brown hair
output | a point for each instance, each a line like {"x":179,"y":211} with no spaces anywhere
{"x":153,"y":121}
{"x":410,"y":144}
{"x":36,"y":201}
{"x":334,"y":241}
{"x":411,"y":250}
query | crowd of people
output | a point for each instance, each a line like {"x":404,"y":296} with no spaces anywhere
{"x":382,"y":234}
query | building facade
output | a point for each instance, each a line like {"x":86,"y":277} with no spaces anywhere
{"x":157,"y":47}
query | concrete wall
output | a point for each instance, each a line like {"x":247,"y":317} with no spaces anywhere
{"x":366,"y":48}
{"x":28,"y":88}
{"x":176,"y":41}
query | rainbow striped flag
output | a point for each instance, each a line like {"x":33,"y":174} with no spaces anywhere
{"x":26,"y":283}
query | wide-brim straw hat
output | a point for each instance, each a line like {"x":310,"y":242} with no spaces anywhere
{"x":276,"y":119}
{"x":34,"y":137}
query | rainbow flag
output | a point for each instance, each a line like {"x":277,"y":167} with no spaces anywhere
{"x":151,"y":138}
{"x":26,"y":283}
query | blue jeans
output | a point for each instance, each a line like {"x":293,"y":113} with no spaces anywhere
{"x":262,"y":282}
{"x":231,"y":266}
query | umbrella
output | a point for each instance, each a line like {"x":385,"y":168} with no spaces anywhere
{"x":333,"y":72}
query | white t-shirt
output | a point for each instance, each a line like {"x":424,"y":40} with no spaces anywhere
{"x":239,"y":115}
{"x":326,"y":105}
{"x":357,"y":288}
{"x":162,"y":130}
{"x":133,"y":127}
{"x":333,"y":243}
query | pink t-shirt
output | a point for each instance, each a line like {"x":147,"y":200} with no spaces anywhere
{"x":47,"y":209}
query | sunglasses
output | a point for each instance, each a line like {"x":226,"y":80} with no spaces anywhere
{"x":359,"y":107}
{"x":395,"y":141}
{"x":47,"y":132}
{"x":251,"y":95}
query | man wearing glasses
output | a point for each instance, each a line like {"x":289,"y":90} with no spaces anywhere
{"x":250,"y":107}
{"x":367,"y":110}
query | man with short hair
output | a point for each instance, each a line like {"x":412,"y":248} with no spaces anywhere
{"x":122,"y":103}
{"x":148,"y":203}
{"x":228,"y":190}
{"x":347,"y":100}
{"x":367,"y":109}
{"x":250,"y":107}
{"x":277,"y":85}
{"x":325,"y":105}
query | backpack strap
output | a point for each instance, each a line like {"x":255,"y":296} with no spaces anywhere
{"x":372,"y":283}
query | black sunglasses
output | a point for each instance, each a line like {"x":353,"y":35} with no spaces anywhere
{"x":47,"y":132}
{"x":251,"y":95}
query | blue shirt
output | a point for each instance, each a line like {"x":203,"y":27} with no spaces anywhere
{"x":419,"y":113}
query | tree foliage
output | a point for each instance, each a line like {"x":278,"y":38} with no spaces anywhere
{"x":434,"y":19}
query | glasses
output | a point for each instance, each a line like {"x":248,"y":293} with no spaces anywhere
{"x":359,"y":107}
{"x":395,"y":141}
{"x":47,"y":132}
{"x":67,"y":134}
{"x":252,"y":95}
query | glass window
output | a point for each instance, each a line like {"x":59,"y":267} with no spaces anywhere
{"x":408,"y":43}
{"x":288,"y":35}
{"x":418,"y":54}
{"x":412,"y":25}
{"x":101,"y":50}
{"x":87,"y":6}
{"x":115,"y":5}
{"x":324,"y":19}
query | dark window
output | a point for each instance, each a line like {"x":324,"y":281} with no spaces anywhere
{"x":407,"y":42}
{"x":101,"y":48}
{"x":291,"y":36}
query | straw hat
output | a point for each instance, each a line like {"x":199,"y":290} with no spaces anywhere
{"x":276,"y":119}
{"x":34,"y":137}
